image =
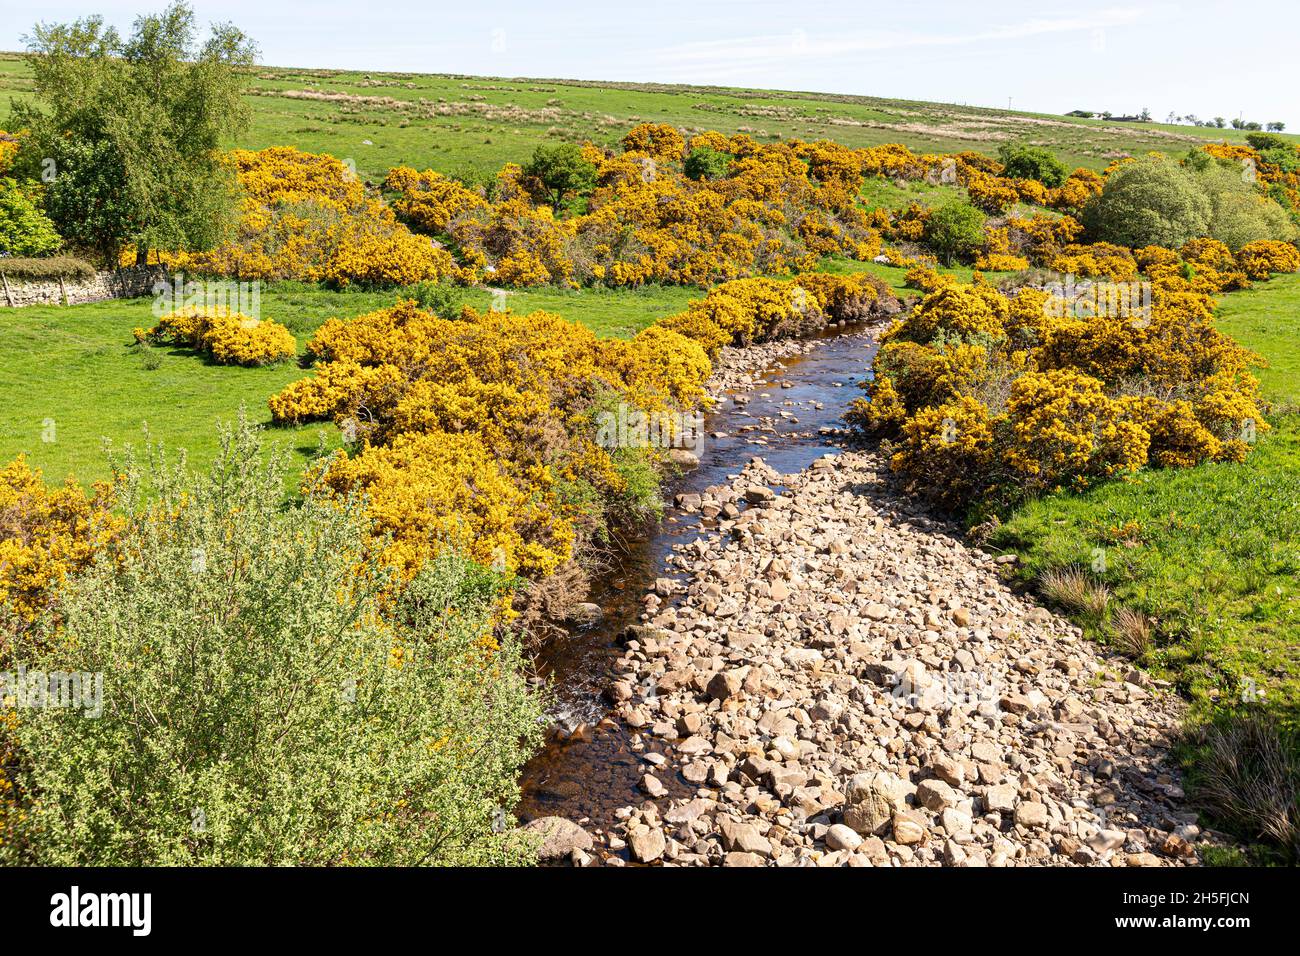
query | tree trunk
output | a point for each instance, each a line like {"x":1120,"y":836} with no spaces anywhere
{"x":142,"y":254}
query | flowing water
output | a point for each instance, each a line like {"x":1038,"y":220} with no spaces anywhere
{"x":588,"y":768}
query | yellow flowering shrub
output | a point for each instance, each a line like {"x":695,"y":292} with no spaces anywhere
{"x":482,"y":431}
{"x":850,"y":298}
{"x":988,"y":396}
{"x":1103,"y":259}
{"x":993,"y":194}
{"x":433,"y":491}
{"x":8,"y":150}
{"x":656,"y":140}
{"x":306,"y":216}
{"x":746,"y":311}
{"x":45,"y":535}
{"x":230,"y":338}
{"x":949,"y":447}
{"x":432,"y":201}
{"x":1077,"y":190}
{"x":1262,"y":258}
{"x":955,"y":309}
{"x":1063,"y":427}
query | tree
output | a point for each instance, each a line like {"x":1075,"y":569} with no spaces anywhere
{"x":1150,"y":201}
{"x":955,"y":230}
{"x":1276,"y":126}
{"x":127,"y":131}
{"x":1032,"y":162}
{"x":561,"y":172}
{"x":1219,"y":122}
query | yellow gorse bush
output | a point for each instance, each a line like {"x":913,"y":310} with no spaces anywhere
{"x":306,"y":216}
{"x":45,"y":535}
{"x":990,"y":395}
{"x":230,"y":338}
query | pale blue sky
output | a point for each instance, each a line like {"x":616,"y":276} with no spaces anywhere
{"x":1190,"y":57}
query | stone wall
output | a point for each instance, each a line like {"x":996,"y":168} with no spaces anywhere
{"x":126,"y":283}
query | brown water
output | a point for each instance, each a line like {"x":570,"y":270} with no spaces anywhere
{"x":588,"y":769}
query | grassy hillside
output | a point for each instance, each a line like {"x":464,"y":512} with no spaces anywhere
{"x":456,"y":123}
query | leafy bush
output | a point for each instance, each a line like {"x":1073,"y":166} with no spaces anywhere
{"x":1032,"y":162}
{"x":563,"y":172}
{"x":704,"y":162}
{"x":271,"y":695}
{"x":44,"y":270}
{"x":955,"y":231}
{"x":1149,"y":201}
{"x":24,"y":229}
{"x":1240,"y":213}
{"x":436,"y":297}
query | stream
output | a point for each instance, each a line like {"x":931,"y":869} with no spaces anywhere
{"x":792,"y":415}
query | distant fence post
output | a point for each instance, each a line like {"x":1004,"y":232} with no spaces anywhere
{"x":9,"y":296}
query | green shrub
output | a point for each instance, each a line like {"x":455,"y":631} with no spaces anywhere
{"x":1150,"y":201}
{"x":442,"y":300}
{"x":24,"y":229}
{"x":1032,"y":162}
{"x":271,"y":695}
{"x":955,"y":230}
{"x":1240,"y":214}
{"x":45,"y":270}
{"x":561,"y":172}
{"x":704,"y":162}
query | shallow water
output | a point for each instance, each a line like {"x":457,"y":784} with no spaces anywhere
{"x":584,"y":772}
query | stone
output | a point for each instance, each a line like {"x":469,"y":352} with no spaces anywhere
{"x":559,"y":837}
{"x":936,"y":795}
{"x":948,"y":770}
{"x":1031,"y":814}
{"x":743,"y":837}
{"x":647,"y":846}
{"x":652,"y":785}
{"x":1000,"y":799}
{"x":1104,"y":841}
{"x":908,"y":828}
{"x":840,"y":837}
{"x":726,"y":684}
{"x":877,"y":612}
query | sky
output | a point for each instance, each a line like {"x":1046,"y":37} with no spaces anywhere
{"x":1202,"y":58}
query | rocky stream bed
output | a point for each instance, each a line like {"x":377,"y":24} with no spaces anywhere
{"x":803,"y":666}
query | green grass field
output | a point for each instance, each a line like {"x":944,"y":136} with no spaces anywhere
{"x":1212,"y":553}
{"x":458,"y":123}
